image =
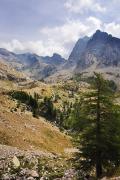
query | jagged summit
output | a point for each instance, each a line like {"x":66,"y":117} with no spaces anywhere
{"x":101,"y":35}
{"x":101,"y":50}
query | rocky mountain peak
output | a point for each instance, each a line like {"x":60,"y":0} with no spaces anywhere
{"x":5,"y":52}
{"x":56,"y":55}
{"x":77,"y":50}
{"x":102,"y":49}
{"x":100,"y":34}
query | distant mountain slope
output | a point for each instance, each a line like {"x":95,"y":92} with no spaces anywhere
{"x":56,"y":59}
{"x":36,"y":67}
{"x":40,"y":67}
{"x":9,"y":73}
{"x":27,"y":59}
{"x":10,"y":58}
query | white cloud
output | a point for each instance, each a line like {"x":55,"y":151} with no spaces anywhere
{"x":69,"y":33}
{"x":14,"y":45}
{"x":94,"y":23}
{"x":112,"y":28}
{"x":55,"y":39}
{"x":65,"y":33}
{"x":80,"y":6}
{"x":71,"y":30}
{"x":59,"y":39}
{"x":39,"y":47}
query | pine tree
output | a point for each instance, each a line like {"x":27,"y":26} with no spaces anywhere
{"x":100,"y":137}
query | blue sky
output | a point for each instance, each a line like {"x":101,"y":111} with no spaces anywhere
{"x":48,"y":26}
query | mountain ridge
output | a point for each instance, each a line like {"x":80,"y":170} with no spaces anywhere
{"x":28,"y":62}
{"x":103,"y":48}
{"x":100,"y":51}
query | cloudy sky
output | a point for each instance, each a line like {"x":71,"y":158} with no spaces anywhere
{"x":48,"y":26}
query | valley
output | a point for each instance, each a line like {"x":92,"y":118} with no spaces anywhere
{"x":47,"y":104}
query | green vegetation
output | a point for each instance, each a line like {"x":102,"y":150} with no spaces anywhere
{"x":90,"y":79}
{"x":96,"y":119}
{"x":31,"y":102}
{"x":80,"y":77}
{"x":93,"y":117}
{"x":43,"y":107}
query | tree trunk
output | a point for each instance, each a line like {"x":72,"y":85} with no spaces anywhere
{"x":98,"y":165}
{"x":98,"y":138}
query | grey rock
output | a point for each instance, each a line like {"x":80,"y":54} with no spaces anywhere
{"x":34,"y":174}
{"x":16,"y":162}
{"x":77,"y":51}
{"x":6,"y":177}
{"x":102,"y":49}
{"x":30,"y":178}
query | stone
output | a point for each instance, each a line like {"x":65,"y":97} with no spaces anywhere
{"x":6,"y":177}
{"x":30,"y":178}
{"x":16,"y":162}
{"x":34,"y":174}
{"x":42,"y":178}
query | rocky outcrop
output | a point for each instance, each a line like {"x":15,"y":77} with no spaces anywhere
{"x":28,"y":165}
{"x":9,"y":73}
{"x":102,"y":49}
{"x":77,"y":51}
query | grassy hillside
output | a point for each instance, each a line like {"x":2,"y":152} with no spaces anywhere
{"x":21,"y":130}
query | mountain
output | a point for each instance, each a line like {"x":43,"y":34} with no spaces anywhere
{"x":39,"y":67}
{"x":10,"y":58}
{"x":7,"y":54}
{"x":9,"y":73}
{"x":77,"y":51}
{"x":102,"y":51}
{"x":36,"y":67}
{"x":56,"y":59}
{"x":27,"y":59}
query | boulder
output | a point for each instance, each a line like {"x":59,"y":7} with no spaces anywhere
{"x":30,"y":178}
{"x":16,"y":162}
{"x":34,"y":174}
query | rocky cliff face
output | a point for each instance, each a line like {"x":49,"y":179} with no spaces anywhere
{"x":100,"y":52}
{"x":102,"y":49}
{"x":77,"y":51}
{"x":55,"y":60}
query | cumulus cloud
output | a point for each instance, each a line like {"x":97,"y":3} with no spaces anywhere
{"x":94,"y":23}
{"x":65,"y":33}
{"x":71,"y":31}
{"x":40,"y":47}
{"x":80,"y":6}
{"x":14,"y":45}
{"x":61,"y":39}
{"x":113,"y":28}
{"x":56,"y":39}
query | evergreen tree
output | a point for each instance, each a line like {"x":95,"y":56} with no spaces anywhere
{"x":100,"y":137}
